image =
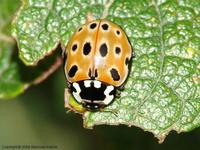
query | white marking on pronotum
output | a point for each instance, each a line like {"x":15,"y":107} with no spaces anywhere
{"x":76,"y":86}
{"x":108,"y":89}
{"x":77,"y":93}
{"x":97,"y":84}
{"x":87,"y":83}
{"x":108,"y":98}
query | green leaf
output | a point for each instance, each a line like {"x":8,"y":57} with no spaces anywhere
{"x":6,"y":14}
{"x":163,"y":90}
{"x":10,"y":82}
{"x":41,"y":25}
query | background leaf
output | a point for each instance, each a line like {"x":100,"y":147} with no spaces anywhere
{"x":163,"y":90}
{"x":14,"y":76}
{"x":10,"y":82}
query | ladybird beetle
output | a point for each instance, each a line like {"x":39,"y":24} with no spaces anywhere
{"x":97,"y":63}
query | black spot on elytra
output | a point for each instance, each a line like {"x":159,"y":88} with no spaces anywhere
{"x":96,"y":74}
{"x":93,"y":25}
{"x":86,"y":48}
{"x":80,"y":29}
{"x":118,"y":32}
{"x":114,"y":74}
{"x":105,"y":27}
{"x":74,"y":47}
{"x":92,"y":76}
{"x":127,"y":61}
{"x":117,"y":50}
{"x":90,"y":73}
{"x":73,"y":71}
{"x":103,"y":49}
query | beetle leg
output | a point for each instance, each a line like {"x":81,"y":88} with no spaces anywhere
{"x":113,"y":111}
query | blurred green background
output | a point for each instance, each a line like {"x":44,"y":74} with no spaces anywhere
{"x":38,"y":117}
